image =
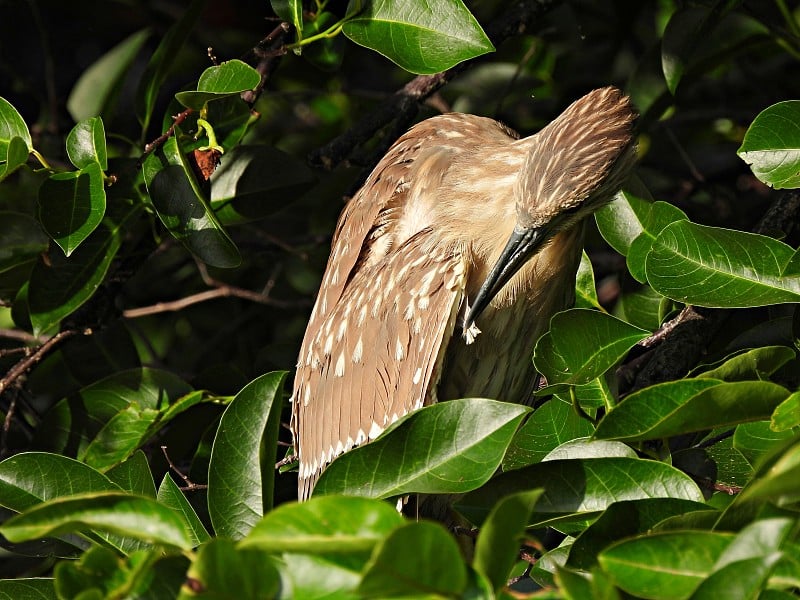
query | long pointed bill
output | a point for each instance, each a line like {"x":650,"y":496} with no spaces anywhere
{"x":520,"y":247}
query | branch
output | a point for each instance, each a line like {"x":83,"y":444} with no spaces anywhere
{"x":402,"y":106}
{"x":27,"y":363}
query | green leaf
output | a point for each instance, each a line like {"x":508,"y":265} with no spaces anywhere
{"x":416,"y":560}
{"x":777,"y":479}
{"x":114,"y":512}
{"x":687,"y":28}
{"x":98,"y":86}
{"x":226,"y":79}
{"x":161,"y":62}
{"x":709,"y":266}
{"x":291,"y":11}
{"x":623,"y":220}
{"x":420,"y":38}
{"x":34,"y":588}
{"x":86,"y":144}
{"x":246,"y":439}
{"x":588,"y":448}
{"x":21,"y":239}
{"x":771,"y":145}
{"x":758,"y":363}
{"x":12,"y":125}
{"x":255,"y":181}
{"x":582,"y":344}
{"x":660,"y":215}
{"x":501,"y":536}
{"x":171,"y":496}
{"x":684,"y":406}
{"x":222,"y":570}
{"x":72,"y":206}
{"x":787,"y":414}
{"x":585,"y":289}
{"x":580,"y":486}
{"x":325,"y":525}
{"x":754,"y":440}
{"x":183,"y":209}
{"x":552,"y":424}
{"x":57,"y":289}
{"x":664,"y":565}
{"x":95,"y":415}
{"x":625,"y":519}
{"x":134,"y":476}
{"x":13,"y":155}
{"x":29,"y":478}
{"x":740,"y":580}
{"x":457,"y":446}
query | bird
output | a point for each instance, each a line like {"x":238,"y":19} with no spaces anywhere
{"x":446,"y":267}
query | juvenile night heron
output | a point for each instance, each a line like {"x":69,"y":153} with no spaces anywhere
{"x":446,"y":267}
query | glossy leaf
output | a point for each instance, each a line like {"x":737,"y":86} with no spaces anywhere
{"x":161,"y":62}
{"x":582,"y":344}
{"x":682,"y":406}
{"x":623,"y":220}
{"x":72,"y":206}
{"x":221,"y":570}
{"x":114,"y":512}
{"x":457,"y":446}
{"x":758,"y":363}
{"x":246,"y":438}
{"x":708,"y":266}
{"x":13,"y":155}
{"x":29,"y":478}
{"x":582,"y":486}
{"x":415,"y":560}
{"x":21,"y":239}
{"x":57,"y":289}
{"x":12,"y":125}
{"x":226,"y":79}
{"x":588,"y":448}
{"x":771,"y":145}
{"x":664,"y":565}
{"x":625,"y":519}
{"x":552,"y":424}
{"x":134,"y":476}
{"x":183,"y":209}
{"x":171,"y":496}
{"x":86,"y":144}
{"x":754,"y":440}
{"x":446,"y":30}
{"x":660,"y":215}
{"x":325,"y":525}
{"x":585,"y":288}
{"x":501,"y":535}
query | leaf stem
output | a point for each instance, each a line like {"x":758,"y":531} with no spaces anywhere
{"x":330,"y":32}
{"x":42,"y":160}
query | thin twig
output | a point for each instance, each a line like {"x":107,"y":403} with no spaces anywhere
{"x":190,"y":485}
{"x":25,"y":364}
{"x":162,"y":139}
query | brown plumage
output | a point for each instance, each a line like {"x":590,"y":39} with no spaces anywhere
{"x":446,"y":267}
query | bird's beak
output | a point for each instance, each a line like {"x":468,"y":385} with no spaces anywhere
{"x":522,"y":244}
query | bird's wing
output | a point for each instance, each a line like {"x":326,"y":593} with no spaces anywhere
{"x":377,"y":355}
{"x":364,"y":264}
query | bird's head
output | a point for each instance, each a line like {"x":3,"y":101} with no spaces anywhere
{"x":574,"y":166}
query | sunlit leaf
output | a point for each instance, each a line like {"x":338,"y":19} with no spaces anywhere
{"x":420,"y":38}
{"x":709,"y":266}
{"x":771,"y":145}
